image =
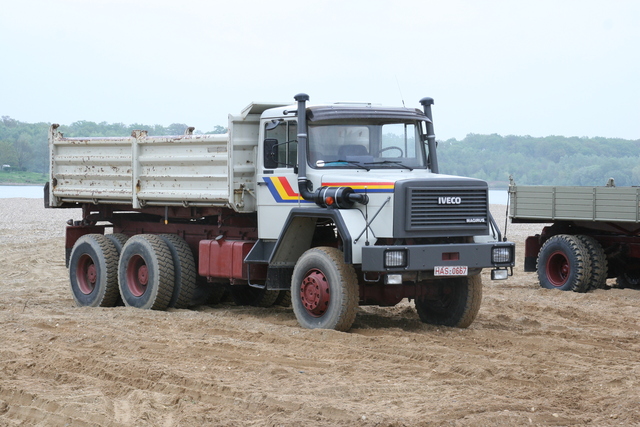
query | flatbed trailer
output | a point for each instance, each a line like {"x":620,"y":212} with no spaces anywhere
{"x":591,"y":234}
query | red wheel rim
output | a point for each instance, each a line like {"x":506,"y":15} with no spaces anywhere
{"x":558,"y":269}
{"x":137,"y":275}
{"x":87,"y":274}
{"x":314,"y":293}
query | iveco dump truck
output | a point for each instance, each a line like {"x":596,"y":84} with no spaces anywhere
{"x":338,"y":204}
{"x":590,"y":234}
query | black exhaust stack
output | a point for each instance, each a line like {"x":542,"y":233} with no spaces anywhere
{"x":334,"y":197}
{"x":431,"y":135}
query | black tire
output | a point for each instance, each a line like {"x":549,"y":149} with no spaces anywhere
{"x":324,"y":290}
{"x":118,"y":240}
{"x":145,"y":273}
{"x":284,"y":299}
{"x":248,"y":295}
{"x":629,"y":279}
{"x":598,"y":262}
{"x":93,"y":271}
{"x":184,"y":267}
{"x":564,"y":264}
{"x":218,"y":294}
{"x":457,"y":303}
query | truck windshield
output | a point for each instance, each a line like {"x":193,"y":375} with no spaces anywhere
{"x":370,"y":146}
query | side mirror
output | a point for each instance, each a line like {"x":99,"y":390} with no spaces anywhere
{"x":270,"y":153}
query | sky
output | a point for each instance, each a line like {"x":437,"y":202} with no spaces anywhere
{"x":539,"y":68}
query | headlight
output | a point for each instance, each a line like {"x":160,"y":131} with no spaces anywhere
{"x":395,"y":258}
{"x":501,"y":255}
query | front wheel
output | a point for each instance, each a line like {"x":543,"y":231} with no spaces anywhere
{"x":455,"y":303}
{"x":324,"y":290}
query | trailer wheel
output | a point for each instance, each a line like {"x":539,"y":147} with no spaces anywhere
{"x":457,"y":303}
{"x":184,"y":267}
{"x":146,"y":273}
{"x":564,"y":264}
{"x":598,"y":261}
{"x":93,"y":271}
{"x":324,"y":290}
{"x":256,"y":297}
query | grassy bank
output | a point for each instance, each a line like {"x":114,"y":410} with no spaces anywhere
{"x":16,"y":177}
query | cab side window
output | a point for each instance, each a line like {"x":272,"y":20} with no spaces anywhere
{"x":280,"y":144}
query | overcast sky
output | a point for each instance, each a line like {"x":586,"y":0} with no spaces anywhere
{"x":539,"y":68}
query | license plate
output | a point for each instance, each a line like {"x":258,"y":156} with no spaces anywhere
{"x":457,"y":270}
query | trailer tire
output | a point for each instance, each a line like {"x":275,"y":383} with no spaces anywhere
{"x":256,"y":297}
{"x":324,"y":290}
{"x":146,"y":273}
{"x":457,"y":304}
{"x":564,"y":264}
{"x":93,"y":271}
{"x":184,"y":267}
{"x":598,"y":261}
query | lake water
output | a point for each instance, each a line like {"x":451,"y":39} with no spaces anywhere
{"x":27,"y":191}
{"x":497,"y":197}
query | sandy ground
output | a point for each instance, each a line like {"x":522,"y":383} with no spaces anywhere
{"x":532,"y":357}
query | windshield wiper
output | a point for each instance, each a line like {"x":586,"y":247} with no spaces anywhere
{"x":391,"y":162}
{"x":351,"y":162}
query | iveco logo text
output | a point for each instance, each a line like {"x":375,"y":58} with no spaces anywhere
{"x":449,"y":200}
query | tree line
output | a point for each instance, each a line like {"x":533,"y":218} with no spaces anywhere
{"x":551,"y":160}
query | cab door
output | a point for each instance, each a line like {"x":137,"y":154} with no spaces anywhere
{"x":277,"y":178}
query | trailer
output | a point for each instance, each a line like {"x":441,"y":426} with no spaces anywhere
{"x":330,"y":206}
{"x":591,"y":234}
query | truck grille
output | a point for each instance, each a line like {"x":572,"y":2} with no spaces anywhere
{"x":447,"y":207}
{"x":429,"y":208}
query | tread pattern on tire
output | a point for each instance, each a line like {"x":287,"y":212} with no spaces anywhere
{"x":165,"y":271}
{"x":350,"y":290}
{"x":462,"y":313}
{"x":185,"y":271}
{"x":582,"y":265}
{"x":598,"y":261}
{"x":118,"y":239}
{"x":109,"y":254}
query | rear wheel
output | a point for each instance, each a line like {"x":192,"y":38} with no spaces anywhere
{"x":564,"y":264}
{"x":184,"y":267}
{"x":146,"y":273}
{"x":598,"y":261}
{"x":324,"y":290}
{"x":456,"y":303}
{"x":118,"y":240}
{"x":93,"y":271}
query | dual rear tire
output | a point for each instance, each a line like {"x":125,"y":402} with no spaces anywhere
{"x":572,"y":263}
{"x":145,"y":271}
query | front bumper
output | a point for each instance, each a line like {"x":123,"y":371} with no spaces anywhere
{"x":427,"y":257}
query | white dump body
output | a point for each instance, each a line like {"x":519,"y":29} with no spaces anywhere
{"x":142,"y":170}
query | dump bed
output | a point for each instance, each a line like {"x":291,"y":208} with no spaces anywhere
{"x":548,"y":204}
{"x":142,"y":170}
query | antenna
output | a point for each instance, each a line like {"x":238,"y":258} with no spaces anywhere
{"x":400,"y":90}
